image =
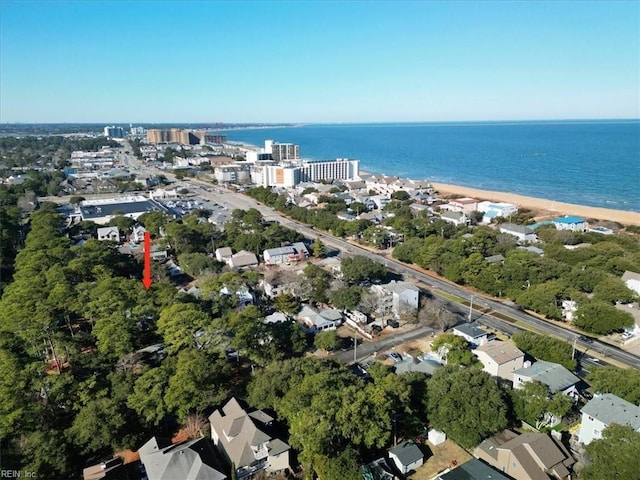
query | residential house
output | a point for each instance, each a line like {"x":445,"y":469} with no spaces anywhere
{"x":522,"y":233}
{"x":456,"y":218}
{"x":346,"y":216}
{"x":137,"y":235}
{"x":603,"y":410}
{"x":112,"y":469}
{"x":191,"y":460}
{"x":462,"y":205}
{"x":315,"y":321}
{"x":528,"y":456}
{"x":575,"y":224}
{"x":406,"y":456}
{"x":473,"y":334}
{"x":243,"y":295}
{"x":245,"y":440}
{"x":396,"y":297}
{"x":380,"y":201}
{"x":159,"y":253}
{"x":553,"y":375}
{"x":473,"y":469}
{"x":276,"y":317}
{"x":416,"y":364}
{"x":223,"y":254}
{"x":286,"y":255}
{"x":494,"y":259}
{"x":243,"y":259}
{"x":532,"y":249}
{"x":500,"y":359}
{"x":492,"y":210}
{"x":632,"y":281}
{"x":109,"y":233}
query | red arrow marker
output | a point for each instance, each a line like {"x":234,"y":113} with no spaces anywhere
{"x":146,"y":280}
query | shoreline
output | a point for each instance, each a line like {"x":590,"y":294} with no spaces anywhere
{"x":552,"y":207}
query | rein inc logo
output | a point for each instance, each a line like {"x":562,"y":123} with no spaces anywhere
{"x":16,"y":474}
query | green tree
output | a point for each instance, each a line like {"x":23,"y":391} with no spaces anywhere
{"x":99,"y":425}
{"x":625,"y":383}
{"x":148,"y":396}
{"x":326,"y":340}
{"x":286,"y":303}
{"x":319,"y":281}
{"x":612,"y":290}
{"x":199,"y":382}
{"x":359,"y":268}
{"x":346,"y":466}
{"x":466,"y":404}
{"x":178,"y":324}
{"x":318,"y":248}
{"x":546,"y":348}
{"x":615,"y":455}
{"x":601,"y":318}
{"x":454,"y":349}
{"x":346,"y":298}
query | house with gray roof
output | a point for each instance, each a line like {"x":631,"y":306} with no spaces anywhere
{"x":243,"y":259}
{"x":522,"y":233}
{"x":315,"y":321}
{"x":416,"y":364}
{"x":191,"y":460}
{"x":456,"y":218}
{"x":244,"y":439}
{"x":473,"y":469}
{"x":603,"y":410}
{"x":553,"y":375}
{"x":528,"y":456}
{"x":406,"y":456}
{"x":500,"y":359}
{"x":473,"y":334}
{"x":108,"y":233}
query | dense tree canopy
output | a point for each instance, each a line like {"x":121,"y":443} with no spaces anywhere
{"x":615,"y":455}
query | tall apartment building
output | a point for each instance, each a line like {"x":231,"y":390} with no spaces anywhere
{"x":113,"y":132}
{"x":285,"y":152}
{"x":338,"y":169}
{"x":183,"y":136}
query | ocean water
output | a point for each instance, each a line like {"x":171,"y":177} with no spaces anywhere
{"x":595,"y":163}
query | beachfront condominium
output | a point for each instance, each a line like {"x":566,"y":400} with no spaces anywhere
{"x":281,"y":152}
{"x":183,"y":136}
{"x":338,"y":169}
{"x":291,"y":174}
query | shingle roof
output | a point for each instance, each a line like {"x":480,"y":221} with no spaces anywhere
{"x":234,"y":422}
{"x":501,"y":352}
{"x":194,"y":460}
{"x":553,"y":375}
{"x":407,"y":453}
{"x":512,"y":227}
{"x":474,"y":469}
{"x":609,"y":408}
{"x":471,"y":330}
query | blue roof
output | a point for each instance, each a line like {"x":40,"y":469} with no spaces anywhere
{"x":491,"y":214}
{"x":568,"y":220}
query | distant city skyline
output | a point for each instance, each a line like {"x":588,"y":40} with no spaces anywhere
{"x":317,"y":62}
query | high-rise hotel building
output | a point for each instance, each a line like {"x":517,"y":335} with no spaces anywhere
{"x":338,"y":169}
{"x":184,"y":137}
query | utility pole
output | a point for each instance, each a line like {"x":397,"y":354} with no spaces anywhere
{"x":573,"y":353}
{"x":470,"y":307}
{"x":355,"y":347}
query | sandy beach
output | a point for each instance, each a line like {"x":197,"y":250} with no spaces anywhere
{"x":552,"y":207}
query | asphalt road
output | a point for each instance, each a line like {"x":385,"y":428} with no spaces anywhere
{"x":235,"y":200}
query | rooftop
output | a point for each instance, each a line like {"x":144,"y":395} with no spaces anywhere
{"x":609,"y":408}
{"x":501,"y":352}
{"x":471,"y":330}
{"x":554,"y":375}
{"x":568,"y":220}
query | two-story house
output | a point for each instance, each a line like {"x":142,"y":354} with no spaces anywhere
{"x":603,"y":410}
{"x":500,"y":359}
{"x":396,"y":297}
{"x":244,"y":440}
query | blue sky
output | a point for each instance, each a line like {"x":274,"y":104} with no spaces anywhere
{"x":305,"y":61}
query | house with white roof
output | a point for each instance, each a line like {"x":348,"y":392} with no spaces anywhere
{"x":604,"y":410}
{"x":111,"y":234}
{"x":500,"y":359}
{"x":137,"y":235}
{"x":575,"y":224}
{"x":285,"y":255}
{"x":522,"y":233}
{"x":492,"y":210}
{"x":556,"y":377}
{"x":632,"y":281}
{"x":245,"y":441}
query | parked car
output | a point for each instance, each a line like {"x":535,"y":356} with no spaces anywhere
{"x":394,"y":356}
